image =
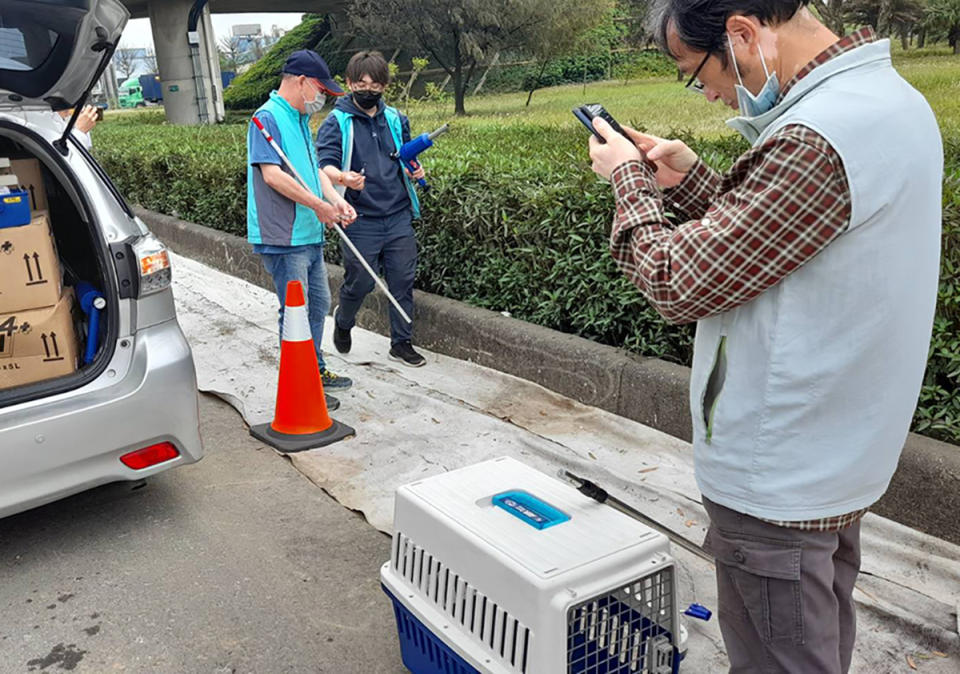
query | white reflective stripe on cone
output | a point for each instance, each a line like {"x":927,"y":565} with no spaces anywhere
{"x":296,"y":327}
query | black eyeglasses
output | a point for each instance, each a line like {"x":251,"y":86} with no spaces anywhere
{"x":694,"y":84}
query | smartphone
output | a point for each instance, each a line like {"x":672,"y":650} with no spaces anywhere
{"x":586,"y":114}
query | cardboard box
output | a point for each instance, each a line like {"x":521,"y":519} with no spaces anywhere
{"x":30,"y":272}
{"x":38,"y":344}
{"x":31,"y":177}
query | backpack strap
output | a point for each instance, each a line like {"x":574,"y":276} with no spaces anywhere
{"x":345,"y":120}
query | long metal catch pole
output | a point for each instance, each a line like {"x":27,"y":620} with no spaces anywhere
{"x":600,"y":495}
{"x":346,"y":239}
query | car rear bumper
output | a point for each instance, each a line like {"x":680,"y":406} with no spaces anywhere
{"x":62,"y":445}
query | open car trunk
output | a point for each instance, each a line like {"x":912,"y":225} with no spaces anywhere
{"x":52,"y":51}
{"x":51,"y":296}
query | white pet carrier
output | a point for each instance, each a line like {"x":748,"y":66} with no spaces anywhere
{"x":499,"y":568}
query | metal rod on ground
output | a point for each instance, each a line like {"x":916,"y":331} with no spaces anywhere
{"x":346,"y":239}
{"x":600,"y":495}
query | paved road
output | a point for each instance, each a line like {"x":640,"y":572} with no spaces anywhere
{"x":235,"y":564}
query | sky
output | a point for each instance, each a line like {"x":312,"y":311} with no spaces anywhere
{"x":137,"y":33}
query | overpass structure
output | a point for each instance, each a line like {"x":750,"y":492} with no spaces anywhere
{"x":186,"y":49}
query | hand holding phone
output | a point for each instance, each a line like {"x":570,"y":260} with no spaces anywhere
{"x":587,"y":113}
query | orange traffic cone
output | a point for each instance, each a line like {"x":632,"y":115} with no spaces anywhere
{"x":301,"y":420}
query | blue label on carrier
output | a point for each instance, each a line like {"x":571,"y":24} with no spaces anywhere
{"x":530,"y":509}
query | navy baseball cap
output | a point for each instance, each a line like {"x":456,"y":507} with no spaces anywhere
{"x":309,"y":63}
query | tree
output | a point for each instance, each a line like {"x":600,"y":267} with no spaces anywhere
{"x":125,"y":61}
{"x":945,"y":16}
{"x":635,"y":17}
{"x":257,"y":49}
{"x":564,"y":26}
{"x":834,"y":14}
{"x":889,"y":17}
{"x":232,"y":55}
{"x":150,"y":60}
{"x":459,"y":35}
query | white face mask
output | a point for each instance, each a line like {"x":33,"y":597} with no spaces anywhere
{"x":755,"y":105}
{"x":316,"y":105}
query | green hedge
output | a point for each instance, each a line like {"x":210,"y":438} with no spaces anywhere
{"x":516,"y":222}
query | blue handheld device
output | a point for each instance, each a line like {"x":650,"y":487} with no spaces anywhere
{"x":410,"y":150}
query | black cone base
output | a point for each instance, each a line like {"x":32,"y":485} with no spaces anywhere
{"x":288,"y":444}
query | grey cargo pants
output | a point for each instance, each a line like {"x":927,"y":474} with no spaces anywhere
{"x":785,"y":595}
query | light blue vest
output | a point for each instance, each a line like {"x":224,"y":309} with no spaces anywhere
{"x":297,"y":143}
{"x":802,"y":398}
{"x":345,"y":120}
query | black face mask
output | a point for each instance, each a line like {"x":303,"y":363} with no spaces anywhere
{"x":367,"y":100}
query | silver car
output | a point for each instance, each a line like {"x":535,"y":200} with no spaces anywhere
{"x":130,"y":409}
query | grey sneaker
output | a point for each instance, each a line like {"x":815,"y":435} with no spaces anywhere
{"x":404,"y":353}
{"x":333,"y":381}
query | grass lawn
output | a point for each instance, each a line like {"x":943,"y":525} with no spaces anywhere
{"x":662,"y":105}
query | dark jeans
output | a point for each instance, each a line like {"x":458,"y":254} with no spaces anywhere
{"x":389,"y":246}
{"x":785,"y":595}
{"x":307,"y":266}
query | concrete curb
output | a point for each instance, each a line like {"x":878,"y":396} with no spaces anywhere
{"x":924,"y":493}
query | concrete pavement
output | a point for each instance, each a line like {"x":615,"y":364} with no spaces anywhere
{"x":235,"y":564}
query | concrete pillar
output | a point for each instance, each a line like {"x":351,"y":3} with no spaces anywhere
{"x":213,"y":64}
{"x":108,"y":82}
{"x":186,"y":99}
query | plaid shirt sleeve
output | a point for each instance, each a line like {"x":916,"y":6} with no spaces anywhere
{"x":693,"y":196}
{"x":780,"y":205}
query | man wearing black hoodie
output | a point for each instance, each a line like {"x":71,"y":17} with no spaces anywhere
{"x":355,"y":145}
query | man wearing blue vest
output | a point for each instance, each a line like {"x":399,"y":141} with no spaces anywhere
{"x":355,"y":145}
{"x":285,"y":221}
{"x":811,"y":270}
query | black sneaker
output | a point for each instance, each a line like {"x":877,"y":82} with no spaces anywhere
{"x":341,"y":336}
{"x":332,"y":403}
{"x":404,"y":353}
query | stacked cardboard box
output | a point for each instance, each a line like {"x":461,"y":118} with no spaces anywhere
{"x":38,"y":336}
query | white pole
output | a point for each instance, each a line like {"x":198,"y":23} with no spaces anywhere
{"x":373,"y":275}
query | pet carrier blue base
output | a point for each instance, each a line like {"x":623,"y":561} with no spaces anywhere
{"x":422,"y":651}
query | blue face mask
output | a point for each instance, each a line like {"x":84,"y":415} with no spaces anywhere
{"x":755,"y":105}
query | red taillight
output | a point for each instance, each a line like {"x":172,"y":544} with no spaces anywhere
{"x":150,"y":456}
